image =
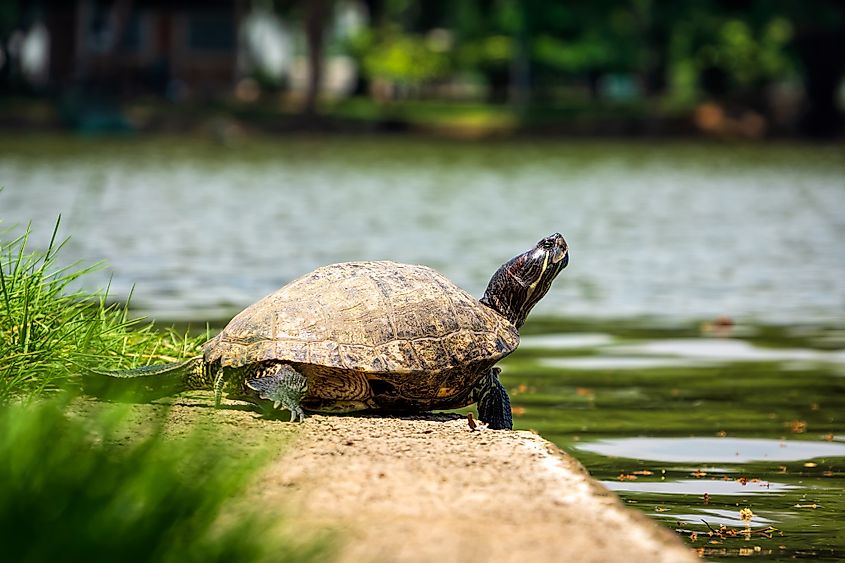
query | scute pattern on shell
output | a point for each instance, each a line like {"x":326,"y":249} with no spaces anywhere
{"x":373,"y":317}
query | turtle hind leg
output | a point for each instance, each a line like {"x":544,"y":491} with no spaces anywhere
{"x":494,"y":405}
{"x":283,"y":385}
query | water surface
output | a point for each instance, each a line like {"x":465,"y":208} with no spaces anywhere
{"x":692,"y":356}
{"x":693,"y":430}
{"x":667,"y":229}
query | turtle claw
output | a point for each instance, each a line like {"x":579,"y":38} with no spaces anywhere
{"x":295,"y":413}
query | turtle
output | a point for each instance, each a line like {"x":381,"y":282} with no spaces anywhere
{"x":371,"y":335}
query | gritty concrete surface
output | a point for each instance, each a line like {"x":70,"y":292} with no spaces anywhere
{"x":431,"y":489}
{"x":426,"y":489}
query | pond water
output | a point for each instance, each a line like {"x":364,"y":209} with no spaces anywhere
{"x":693,"y":427}
{"x":692,"y":355}
{"x":675,"y":230}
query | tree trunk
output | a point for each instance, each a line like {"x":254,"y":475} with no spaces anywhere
{"x":520,"y":86}
{"x":823,"y":56}
{"x":316,"y":15}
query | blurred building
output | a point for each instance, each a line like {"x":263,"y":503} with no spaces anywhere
{"x":170,"y":48}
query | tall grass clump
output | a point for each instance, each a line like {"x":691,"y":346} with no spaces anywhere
{"x":105,"y":485}
{"x":70,"y":492}
{"x":50,"y":330}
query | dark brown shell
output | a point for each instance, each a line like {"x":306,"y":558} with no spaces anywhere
{"x":368,"y":317}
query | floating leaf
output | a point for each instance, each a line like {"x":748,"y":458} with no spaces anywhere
{"x":798,"y":426}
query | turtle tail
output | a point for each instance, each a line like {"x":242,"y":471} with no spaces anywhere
{"x":148,"y":382}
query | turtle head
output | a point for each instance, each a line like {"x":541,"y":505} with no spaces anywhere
{"x":521,"y":282}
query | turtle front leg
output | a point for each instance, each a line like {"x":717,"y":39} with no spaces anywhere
{"x":283,"y":385}
{"x":494,"y":405}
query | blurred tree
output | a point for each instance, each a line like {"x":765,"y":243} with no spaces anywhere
{"x":12,"y":16}
{"x":819,"y":45}
{"x":585,"y":42}
{"x":316,"y":18}
{"x":735,"y":51}
{"x":404,"y":49}
{"x":405,"y":59}
{"x":683,"y":52}
{"x":9,"y":15}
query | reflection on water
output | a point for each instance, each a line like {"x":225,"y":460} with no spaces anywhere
{"x":717,"y":518}
{"x":728,"y":349}
{"x":699,"y":487}
{"x":668,"y":229}
{"x":656,"y":353}
{"x":617,"y":362}
{"x":566,"y":341}
{"x":714,"y":450}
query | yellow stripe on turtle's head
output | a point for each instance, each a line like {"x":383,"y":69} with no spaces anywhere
{"x":521,"y":282}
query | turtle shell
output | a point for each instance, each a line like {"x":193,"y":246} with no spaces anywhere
{"x":368,"y":317}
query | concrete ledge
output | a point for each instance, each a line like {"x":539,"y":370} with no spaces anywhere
{"x":431,"y":489}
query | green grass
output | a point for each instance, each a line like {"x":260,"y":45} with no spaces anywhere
{"x":50,"y":331}
{"x":99,"y":484}
{"x":76,"y":489}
